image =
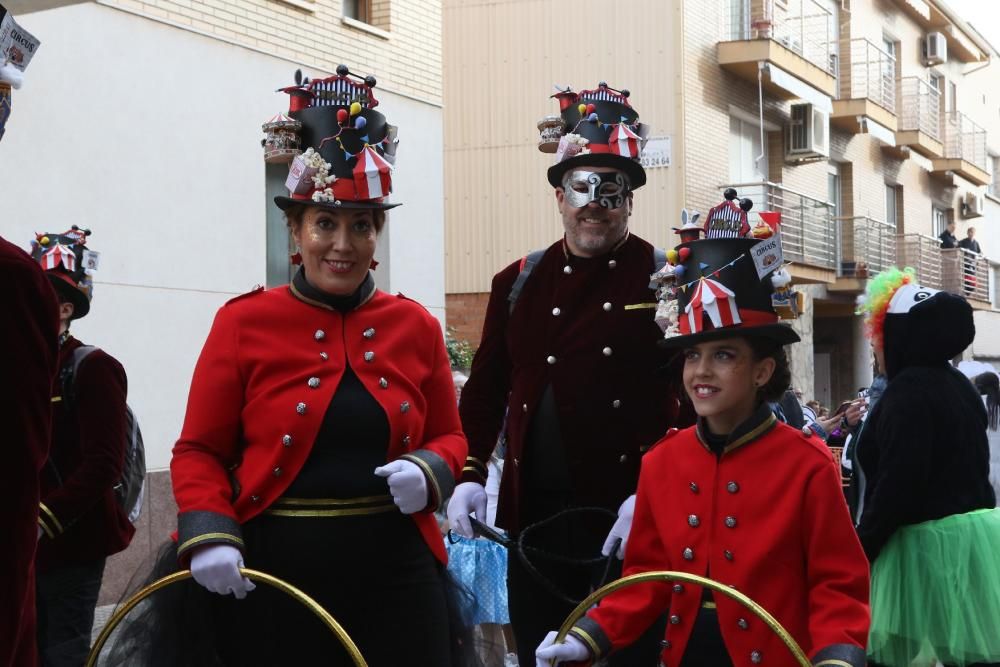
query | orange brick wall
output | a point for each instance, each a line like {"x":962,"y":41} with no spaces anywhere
{"x":465,"y":314}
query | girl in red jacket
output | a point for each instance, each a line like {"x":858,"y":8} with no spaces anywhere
{"x":739,"y":497}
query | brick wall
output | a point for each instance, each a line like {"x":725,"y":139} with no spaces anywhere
{"x":465,"y":314}
{"x":311,"y":33}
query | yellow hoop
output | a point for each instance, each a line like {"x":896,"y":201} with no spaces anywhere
{"x":665,"y":575}
{"x":253,"y":575}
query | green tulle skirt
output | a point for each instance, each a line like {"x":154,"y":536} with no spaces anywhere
{"x":935,"y":593}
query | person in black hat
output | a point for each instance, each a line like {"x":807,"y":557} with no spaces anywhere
{"x":321,"y":431}
{"x":569,"y":351}
{"x":80,"y":521}
{"x":740,"y":497}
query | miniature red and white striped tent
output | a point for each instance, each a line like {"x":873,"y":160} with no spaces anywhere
{"x":715,"y":299}
{"x":58,"y":255}
{"x":624,"y":141}
{"x":372,"y":175}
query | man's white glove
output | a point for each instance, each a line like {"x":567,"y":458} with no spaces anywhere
{"x":467,"y":497}
{"x":407,"y":484}
{"x":216,"y":567}
{"x":621,"y":529}
{"x":571,"y":650}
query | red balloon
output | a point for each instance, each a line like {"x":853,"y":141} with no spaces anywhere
{"x":591,"y":108}
{"x":342,"y":115}
{"x":683,"y":254}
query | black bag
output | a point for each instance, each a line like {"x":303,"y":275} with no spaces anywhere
{"x":130,"y":488}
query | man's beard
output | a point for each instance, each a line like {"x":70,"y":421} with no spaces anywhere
{"x":596,"y":239}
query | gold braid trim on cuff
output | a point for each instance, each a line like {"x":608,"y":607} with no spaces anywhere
{"x":435,"y":488}
{"x":194,"y":541}
{"x":595,"y":650}
{"x":833,"y":663}
{"x":45,"y":527}
{"x":51,"y":517}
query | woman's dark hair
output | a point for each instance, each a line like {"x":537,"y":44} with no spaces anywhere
{"x":294,"y":213}
{"x":781,"y":379}
{"x":988,"y":384}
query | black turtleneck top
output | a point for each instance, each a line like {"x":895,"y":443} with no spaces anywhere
{"x":354,"y":437}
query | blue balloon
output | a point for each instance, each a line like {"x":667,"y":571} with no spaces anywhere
{"x":360,"y":122}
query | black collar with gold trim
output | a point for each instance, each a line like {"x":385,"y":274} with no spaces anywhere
{"x":304,"y":291}
{"x":759,"y":423}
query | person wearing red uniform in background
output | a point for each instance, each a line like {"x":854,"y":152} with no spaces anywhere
{"x":740,"y":497}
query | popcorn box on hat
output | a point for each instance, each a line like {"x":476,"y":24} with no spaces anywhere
{"x":300,"y":177}
{"x":570,"y":145}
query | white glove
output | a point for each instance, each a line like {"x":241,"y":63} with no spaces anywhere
{"x":216,"y":567}
{"x":621,"y":529}
{"x":407,"y":484}
{"x":467,"y":497}
{"x":571,"y":650}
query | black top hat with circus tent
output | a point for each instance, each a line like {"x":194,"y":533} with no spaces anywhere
{"x":68,"y":263}
{"x":725,"y":286}
{"x":597,"y":128}
{"x":340,"y":148}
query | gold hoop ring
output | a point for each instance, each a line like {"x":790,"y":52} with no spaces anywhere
{"x":253,"y":575}
{"x":666,"y":575}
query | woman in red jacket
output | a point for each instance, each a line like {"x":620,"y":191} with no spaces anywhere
{"x":322,"y":431}
{"x":739,"y":497}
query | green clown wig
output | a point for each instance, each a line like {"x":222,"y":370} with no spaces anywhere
{"x":875,"y":303}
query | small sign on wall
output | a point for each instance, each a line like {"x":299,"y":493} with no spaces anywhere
{"x":656,"y":153}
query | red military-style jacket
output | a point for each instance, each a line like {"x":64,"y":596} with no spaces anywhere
{"x":584,"y":326}
{"x":81,"y":518}
{"x":767,"y":517}
{"x":269,"y":368}
{"x":28,"y":338}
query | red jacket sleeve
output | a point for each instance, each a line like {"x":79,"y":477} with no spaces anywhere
{"x":209,"y":442}
{"x":484,"y":397}
{"x":444,"y":449}
{"x":837,"y":569}
{"x":99,"y":392}
{"x":624,"y":615}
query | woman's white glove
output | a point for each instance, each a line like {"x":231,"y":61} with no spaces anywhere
{"x":571,"y":650}
{"x":621,"y":529}
{"x":467,"y":497}
{"x":407,"y":484}
{"x":216,"y":567}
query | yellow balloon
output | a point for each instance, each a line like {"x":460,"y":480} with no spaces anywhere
{"x":44,"y":240}
{"x":672,"y":256}
{"x":355,"y":108}
{"x":582,"y":108}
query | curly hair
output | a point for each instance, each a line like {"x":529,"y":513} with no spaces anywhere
{"x":875,"y":302}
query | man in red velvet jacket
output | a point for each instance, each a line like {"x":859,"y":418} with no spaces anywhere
{"x":575,"y":365}
{"x":80,"y":521}
{"x":28,"y":339}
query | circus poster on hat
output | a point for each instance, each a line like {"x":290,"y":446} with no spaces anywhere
{"x":17,"y":45}
{"x":767,"y":255}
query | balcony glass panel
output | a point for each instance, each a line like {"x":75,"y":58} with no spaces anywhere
{"x":805,"y":27}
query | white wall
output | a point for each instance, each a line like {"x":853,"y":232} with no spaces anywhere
{"x":150,"y":136}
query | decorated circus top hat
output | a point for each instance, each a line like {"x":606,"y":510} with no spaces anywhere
{"x":341,"y":149}
{"x":595,"y":128}
{"x":68,"y":263}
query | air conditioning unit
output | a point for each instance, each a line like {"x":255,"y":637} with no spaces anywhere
{"x":807,"y":135}
{"x":974,"y":205}
{"x":935,"y":49}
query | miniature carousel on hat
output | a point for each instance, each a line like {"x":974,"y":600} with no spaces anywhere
{"x":68,"y":263}
{"x":730,"y":283}
{"x":594,"y":128}
{"x":340,"y":150}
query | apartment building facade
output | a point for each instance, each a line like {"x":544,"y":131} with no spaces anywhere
{"x":142,"y":121}
{"x":868,"y":123}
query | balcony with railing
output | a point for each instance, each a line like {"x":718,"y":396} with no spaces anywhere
{"x":923,"y":253}
{"x":808,"y":230}
{"x":867,"y":247}
{"x":964,"y":149}
{"x":794,"y":36}
{"x":867,"y":86}
{"x":967,"y":273}
{"x":919,"y":122}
